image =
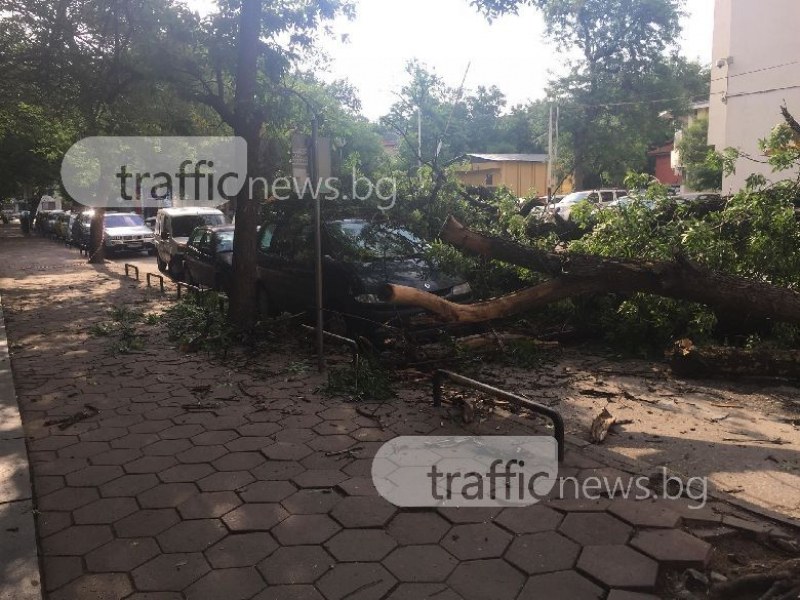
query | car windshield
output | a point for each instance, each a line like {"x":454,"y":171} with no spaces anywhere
{"x":224,"y":241}
{"x":184,"y":225}
{"x":123,"y":221}
{"x":575,"y":197}
{"x":374,"y":241}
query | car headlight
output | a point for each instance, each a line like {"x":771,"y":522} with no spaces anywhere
{"x":461,"y":290}
{"x":369,"y":299}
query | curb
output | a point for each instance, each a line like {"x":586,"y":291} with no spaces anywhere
{"x":20,"y":578}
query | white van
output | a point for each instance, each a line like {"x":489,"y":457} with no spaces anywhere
{"x":172,"y":230}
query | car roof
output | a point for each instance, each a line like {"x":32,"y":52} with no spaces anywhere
{"x":218,"y":228}
{"x":190,"y":210}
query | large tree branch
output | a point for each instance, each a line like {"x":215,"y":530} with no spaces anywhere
{"x":578,"y":274}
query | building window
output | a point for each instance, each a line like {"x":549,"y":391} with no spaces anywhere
{"x":490,"y":179}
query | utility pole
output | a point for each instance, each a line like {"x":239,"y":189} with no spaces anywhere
{"x":313,"y":164}
{"x":550,"y":158}
{"x":419,"y":135}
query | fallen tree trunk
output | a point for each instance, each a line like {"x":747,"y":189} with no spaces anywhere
{"x":579,"y":274}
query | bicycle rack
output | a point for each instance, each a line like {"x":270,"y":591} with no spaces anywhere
{"x":160,"y":278}
{"x":350,"y":343}
{"x":128,"y":267}
{"x":191,"y":288}
{"x":558,"y":422}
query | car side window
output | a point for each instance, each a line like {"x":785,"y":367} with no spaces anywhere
{"x":593,"y":198}
{"x":292,"y":240}
{"x":196,"y":238}
{"x":205,"y":242}
{"x":607,"y":196}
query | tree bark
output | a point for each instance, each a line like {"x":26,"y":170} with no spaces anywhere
{"x":246,"y":124}
{"x":687,"y":360}
{"x":578,"y":274}
{"x":96,"y":249}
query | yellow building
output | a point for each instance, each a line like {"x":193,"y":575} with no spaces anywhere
{"x":523,"y":174}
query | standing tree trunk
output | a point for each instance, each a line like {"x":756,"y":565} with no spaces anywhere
{"x":97,"y":250}
{"x":246,"y":124}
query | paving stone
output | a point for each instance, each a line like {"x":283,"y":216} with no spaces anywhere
{"x":129,"y":485}
{"x":170,"y":572}
{"x":295,"y":565}
{"x":537,"y":553}
{"x":420,"y":564}
{"x":180,"y":431}
{"x":418,"y":528}
{"x":201,"y":454}
{"x":619,"y":566}
{"x":491,"y":579}
{"x":564,"y":585}
{"x":300,"y":530}
{"x":360,"y":545}
{"x":300,"y":421}
{"x":258,"y":429}
{"x":294,"y":435}
{"x":156,"y":596}
{"x":340,"y":427}
{"x":167,"y":447}
{"x":318,"y":478}
{"x":255,"y":517}
{"x":59,"y":570}
{"x":150,"y":464}
{"x":623,"y":595}
{"x":423,"y":591}
{"x":48,"y":523}
{"x":356,"y":581}
{"x":230,"y":584}
{"x":363,"y":511}
{"x":106,"y":586}
{"x":122,"y":555}
{"x":458,"y":516}
{"x":277,"y":470}
{"x":192,"y":536}
{"x":212,"y":438}
{"x":645,"y":513}
{"x":238,"y":461}
{"x":358,"y":486}
{"x":578,"y":505}
{"x":93,"y":476}
{"x":673,"y":548}
{"x":146,"y":523}
{"x":311,"y":501}
{"x":209,"y":505}
{"x":83,"y":450}
{"x":286,"y":451}
{"x":119,"y":456}
{"x":267,"y":491}
{"x":77,"y":540}
{"x":228,"y":480}
{"x":595,"y":529}
{"x":135,"y":440}
{"x":68,"y":499}
{"x":290,"y":592}
{"x":529,"y":519}
{"x":104,"y":511}
{"x":474,"y":541}
{"x":167,"y":495}
{"x":185,"y":473}
{"x":241,"y":550}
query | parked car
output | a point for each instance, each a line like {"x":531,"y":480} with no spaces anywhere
{"x":126,"y":232}
{"x":598,"y":198}
{"x":209,"y":257}
{"x":172,"y":231}
{"x":49,"y":221}
{"x":360,"y":257}
{"x":61,"y":225}
{"x":81,"y":228}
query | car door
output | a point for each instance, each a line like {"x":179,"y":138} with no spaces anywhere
{"x":286,"y":268}
{"x":205,"y":259}
{"x":193,"y":260}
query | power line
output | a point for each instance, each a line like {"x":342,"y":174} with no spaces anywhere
{"x":789,"y":64}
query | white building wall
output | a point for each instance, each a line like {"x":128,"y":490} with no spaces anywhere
{"x":755,"y":69}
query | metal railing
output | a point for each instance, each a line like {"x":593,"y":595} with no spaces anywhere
{"x":149,"y":277}
{"x":128,"y":267}
{"x":558,"y":422}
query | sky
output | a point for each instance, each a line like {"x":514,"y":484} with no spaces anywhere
{"x":447,"y":35}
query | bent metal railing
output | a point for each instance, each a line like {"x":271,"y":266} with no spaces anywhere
{"x":558,"y":422}
{"x":128,"y":267}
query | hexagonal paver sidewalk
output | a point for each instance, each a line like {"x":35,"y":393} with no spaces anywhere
{"x":268,"y":494}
